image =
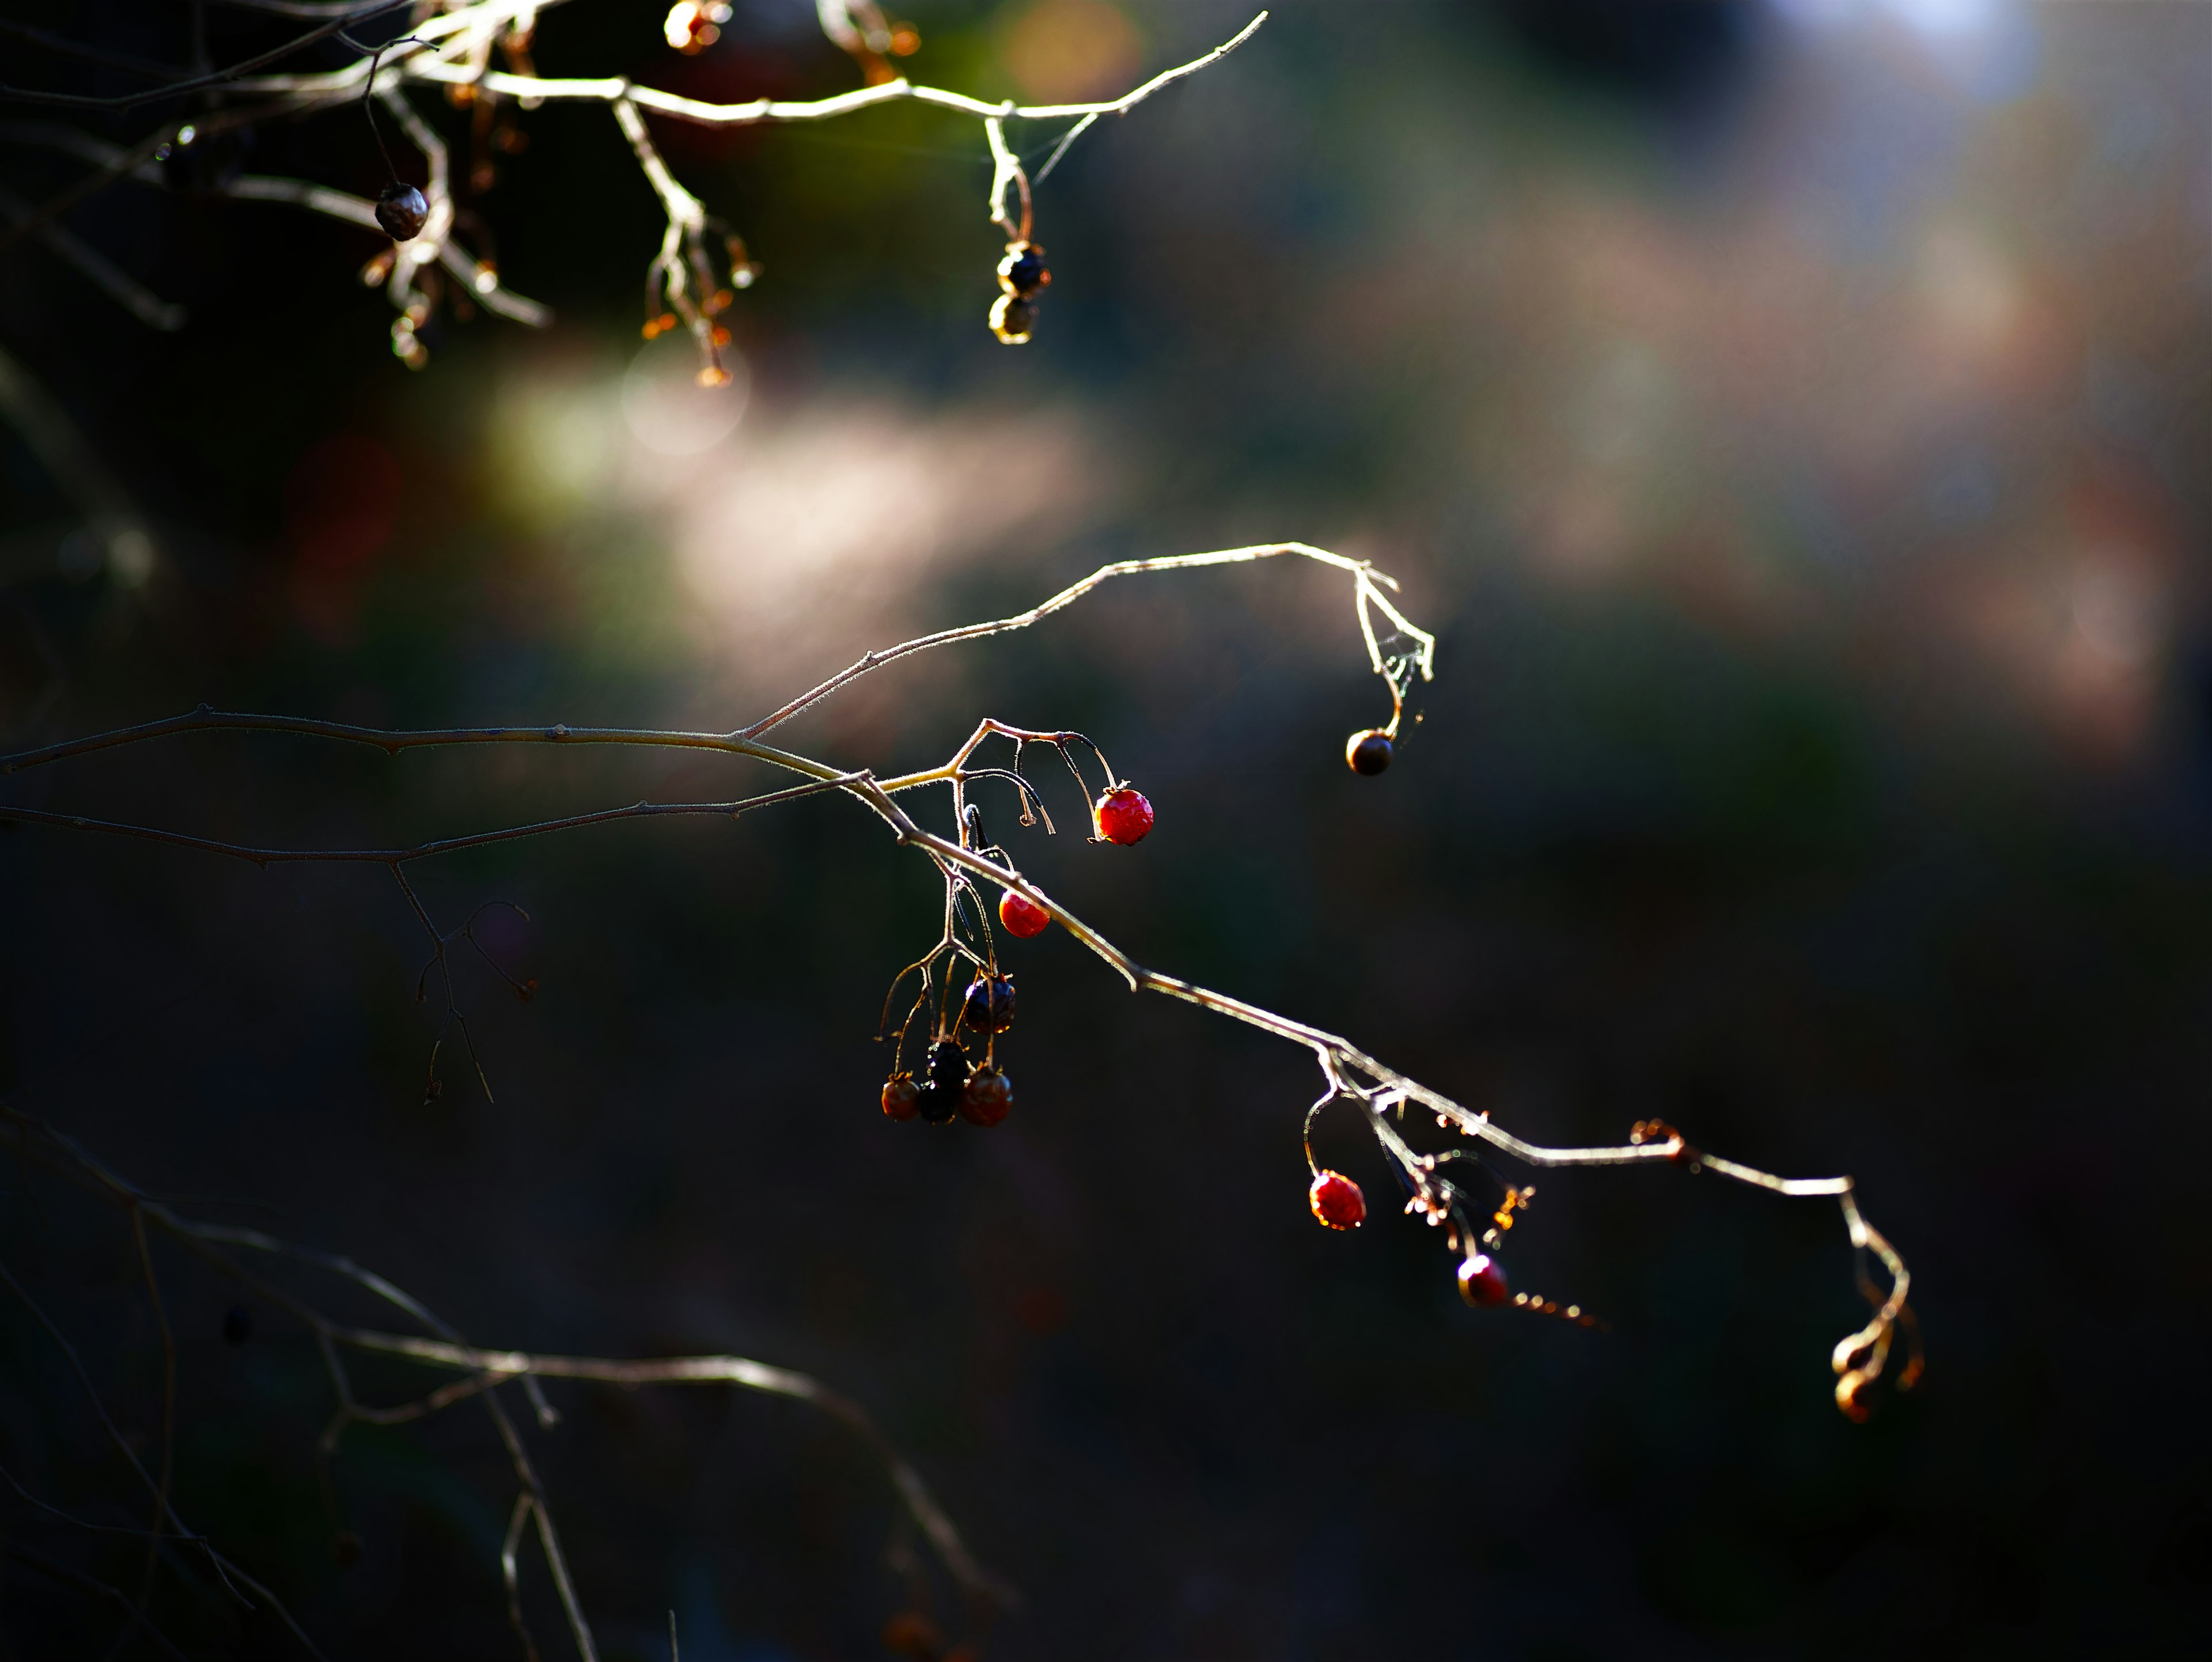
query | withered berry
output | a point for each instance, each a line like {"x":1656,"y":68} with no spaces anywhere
{"x":1012,"y":319}
{"x":939,"y":1101}
{"x":1122,"y":815}
{"x":901,"y":1096}
{"x":1022,"y":916}
{"x":1482,"y":1280}
{"x":988,"y":1007}
{"x":403,"y":212}
{"x":1336,"y":1200}
{"x":1022,"y":271}
{"x":1368,"y":753}
{"x":987,"y":1096}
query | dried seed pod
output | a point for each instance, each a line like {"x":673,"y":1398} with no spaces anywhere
{"x":988,"y":1007}
{"x":987,"y":1097}
{"x":1022,"y":272}
{"x":403,"y":212}
{"x":1012,"y":318}
{"x":1368,"y":753}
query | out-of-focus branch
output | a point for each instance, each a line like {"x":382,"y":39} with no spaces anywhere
{"x":486,"y":1370}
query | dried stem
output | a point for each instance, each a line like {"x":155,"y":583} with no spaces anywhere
{"x":1347,"y":1070}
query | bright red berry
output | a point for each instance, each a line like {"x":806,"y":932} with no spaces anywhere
{"x":987,"y":1098}
{"x":1368,"y":753}
{"x":1482,"y":1280}
{"x":901,"y":1096}
{"x":1122,"y":815}
{"x":1336,"y":1200}
{"x":1022,"y":916}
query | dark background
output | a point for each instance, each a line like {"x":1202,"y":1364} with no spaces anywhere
{"x":1791,"y":418}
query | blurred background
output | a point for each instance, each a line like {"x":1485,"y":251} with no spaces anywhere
{"x":1781,"y":409}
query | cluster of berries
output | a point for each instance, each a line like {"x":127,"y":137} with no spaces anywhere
{"x":1022,"y":275}
{"x":950,"y":1088}
{"x":1338,"y":1203}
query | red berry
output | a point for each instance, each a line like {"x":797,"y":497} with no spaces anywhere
{"x":1336,"y":1200}
{"x":1122,"y":815}
{"x":901,"y":1096}
{"x":1368,"y":753}
{"x":988,"y":1095}
{"x":1022,"y":916}
{"x":1482,"y":1280}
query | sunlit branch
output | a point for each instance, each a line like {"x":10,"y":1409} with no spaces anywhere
{"x":1348,"y":1070}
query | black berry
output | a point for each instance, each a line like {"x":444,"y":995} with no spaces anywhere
{"x":1022,"y":271}
{"x":989,"y":1006}
{"x":403,"y":212}
{"x":1368,"y":753}
{"x":938,"y":1099}
{"x":237,"y":1325}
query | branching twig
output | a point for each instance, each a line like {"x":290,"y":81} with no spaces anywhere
{"x":1347,"y":1070}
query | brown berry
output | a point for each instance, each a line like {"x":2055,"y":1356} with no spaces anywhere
{"x":987,"y":1097}
{"x":901,"y":1096}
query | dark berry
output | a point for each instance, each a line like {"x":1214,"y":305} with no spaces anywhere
{"x":1012,"y":319}
{"x":948,"y":1064}
{"x":988,"y":1007}
{"x":987,"y":1096}
{"x":403,"y":212}
{"x":938,"y":1099}
{"x":1021,"y":915}
{"x":1482,"y":1280}
{"x":1122,"y":815}
{"x":901,"y":1096}
{"x":345,"y":1551}
{"x":1336,"y":1200}
{"x":1368,"y":753}
{"x":1022,"y":271}
{"x":237,"y":1325}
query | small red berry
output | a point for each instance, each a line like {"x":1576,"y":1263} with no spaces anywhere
{"x":1336,"y":1200}
{"x":1122,"y":815}
{"x":1482,"y":1280}
{"x":988,"y":1096}
{"x":901,"y":1096}
{"x":1368,"y":753}
{"x":988,"y":1007}
{"x":1022,"y":916}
